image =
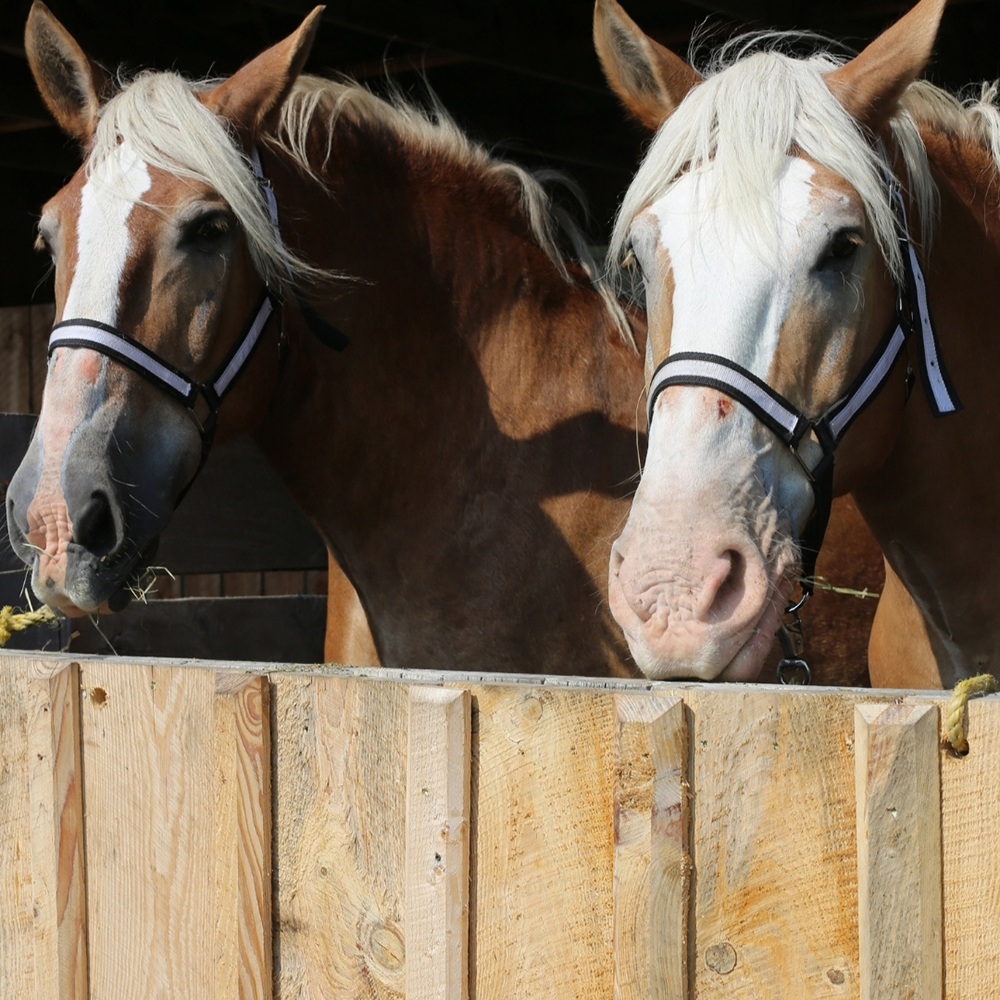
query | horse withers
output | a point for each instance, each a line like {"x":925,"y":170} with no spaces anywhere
{"x":815,"y":237}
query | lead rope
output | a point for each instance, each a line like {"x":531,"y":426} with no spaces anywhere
{"x":12,"y":621}
{"x":963,"y":691}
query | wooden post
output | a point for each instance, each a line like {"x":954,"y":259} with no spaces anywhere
{"x":57,"y":872}
{"x":437,"y":844}
{"x":898,"y":790}
{"x":652,"y":863}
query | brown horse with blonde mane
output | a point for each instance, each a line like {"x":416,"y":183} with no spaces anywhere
{"x":470,"y":454}
{"x":850,"y":211}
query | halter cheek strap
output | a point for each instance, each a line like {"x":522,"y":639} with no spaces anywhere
{"x":125,"y":350}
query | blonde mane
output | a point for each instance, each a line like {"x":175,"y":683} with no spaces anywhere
{"x":168,"y":127}
{"x":753,"y":109}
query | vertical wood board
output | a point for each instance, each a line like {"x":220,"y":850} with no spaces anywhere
{"x":149,"y":774}
{"x":341,"y":758}
{"x":652,"y":862}
{"x":57,"y":856}
{"x":970,"y":819}
{"x":437,"y":843}
{"x":243,"y":837}
{"x":17,"y":945}
{"x":543,"y":777}
{"x":775,"y":879}
{"x":899,"y":852}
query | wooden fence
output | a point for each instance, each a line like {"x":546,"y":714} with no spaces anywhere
{"x":188,"y":831}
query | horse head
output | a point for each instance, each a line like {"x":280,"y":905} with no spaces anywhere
{"x":163,"y":252}
{"x":763,"y":225}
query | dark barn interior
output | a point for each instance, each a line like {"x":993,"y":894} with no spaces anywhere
{"x":521,"y":77}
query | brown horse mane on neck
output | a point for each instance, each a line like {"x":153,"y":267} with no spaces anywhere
{"x":430,"y":131}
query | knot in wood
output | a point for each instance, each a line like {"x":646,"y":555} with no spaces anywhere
{"x":721,"y":958}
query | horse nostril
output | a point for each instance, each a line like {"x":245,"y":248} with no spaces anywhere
{"x":94,"y":526}
{"x":731,"y":588}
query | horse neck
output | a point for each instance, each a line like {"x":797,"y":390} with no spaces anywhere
{"x":467,"y":457}
{"x":932,"y":506}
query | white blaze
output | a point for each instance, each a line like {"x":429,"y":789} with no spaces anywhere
{"x":732,"y":292}
{"x":108,"y":198}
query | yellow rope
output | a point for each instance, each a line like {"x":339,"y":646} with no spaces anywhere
{"x":982,"y":684}
{"x":12,"y":621}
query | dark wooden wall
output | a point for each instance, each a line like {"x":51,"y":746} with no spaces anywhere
{"x":519,"y":75}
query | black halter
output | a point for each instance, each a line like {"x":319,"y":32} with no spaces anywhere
{"x":204,"y":398}
{"x":791,"y":425}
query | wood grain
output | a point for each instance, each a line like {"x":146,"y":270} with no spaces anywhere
{"x":543,"y":777}
{"x":341,"y":758}
{"x":773,"y":843}
{"x":899,"y":852}
{"x":57,"y":860}
{"x":175,"y":788}
{"x":17,"y":938}
{"x":149,"y":770}
{"x":437,"y":843}
{"x":652,"y":863}
{"x":243,"y":837}
{"x":970,"y":817}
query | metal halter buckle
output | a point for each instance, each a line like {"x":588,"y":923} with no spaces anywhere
{"x":792,"y":668}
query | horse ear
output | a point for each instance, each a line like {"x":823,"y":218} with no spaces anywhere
{"x":871,"y":84}
{"x":254,"y":93}
{"x":650,"y":80}
{"x":69,"y":82}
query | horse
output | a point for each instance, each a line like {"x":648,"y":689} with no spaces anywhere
{"x":383,"y":305}
{"x":849,"y":210}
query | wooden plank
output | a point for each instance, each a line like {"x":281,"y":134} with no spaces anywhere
{"x":542,"y":862}
{"x":899,"y":851}
{"x":652,"y":865}
{"x":970,"y":808}
{"x":773,"y":842}
{"x":149,"y":785}
{"x":341,"y":759}
{"x":57,"y":862}
{"x":15,"y":350}
{"x":970,"y":813}
{"x":437,"y":844}
{"x":17,"y":938}
{"x":238,"y":517}
{"x":268,"y":629}
{"x":243,"y":837}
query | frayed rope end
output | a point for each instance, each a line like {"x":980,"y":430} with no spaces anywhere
{"x":12,"y":621}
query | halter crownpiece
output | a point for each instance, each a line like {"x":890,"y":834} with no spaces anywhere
{"x":791,"y":425}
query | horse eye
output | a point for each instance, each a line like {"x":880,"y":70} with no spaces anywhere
{"x":42,"y":244}
{"x":206,"y":230}
{"x":842,"y":248}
